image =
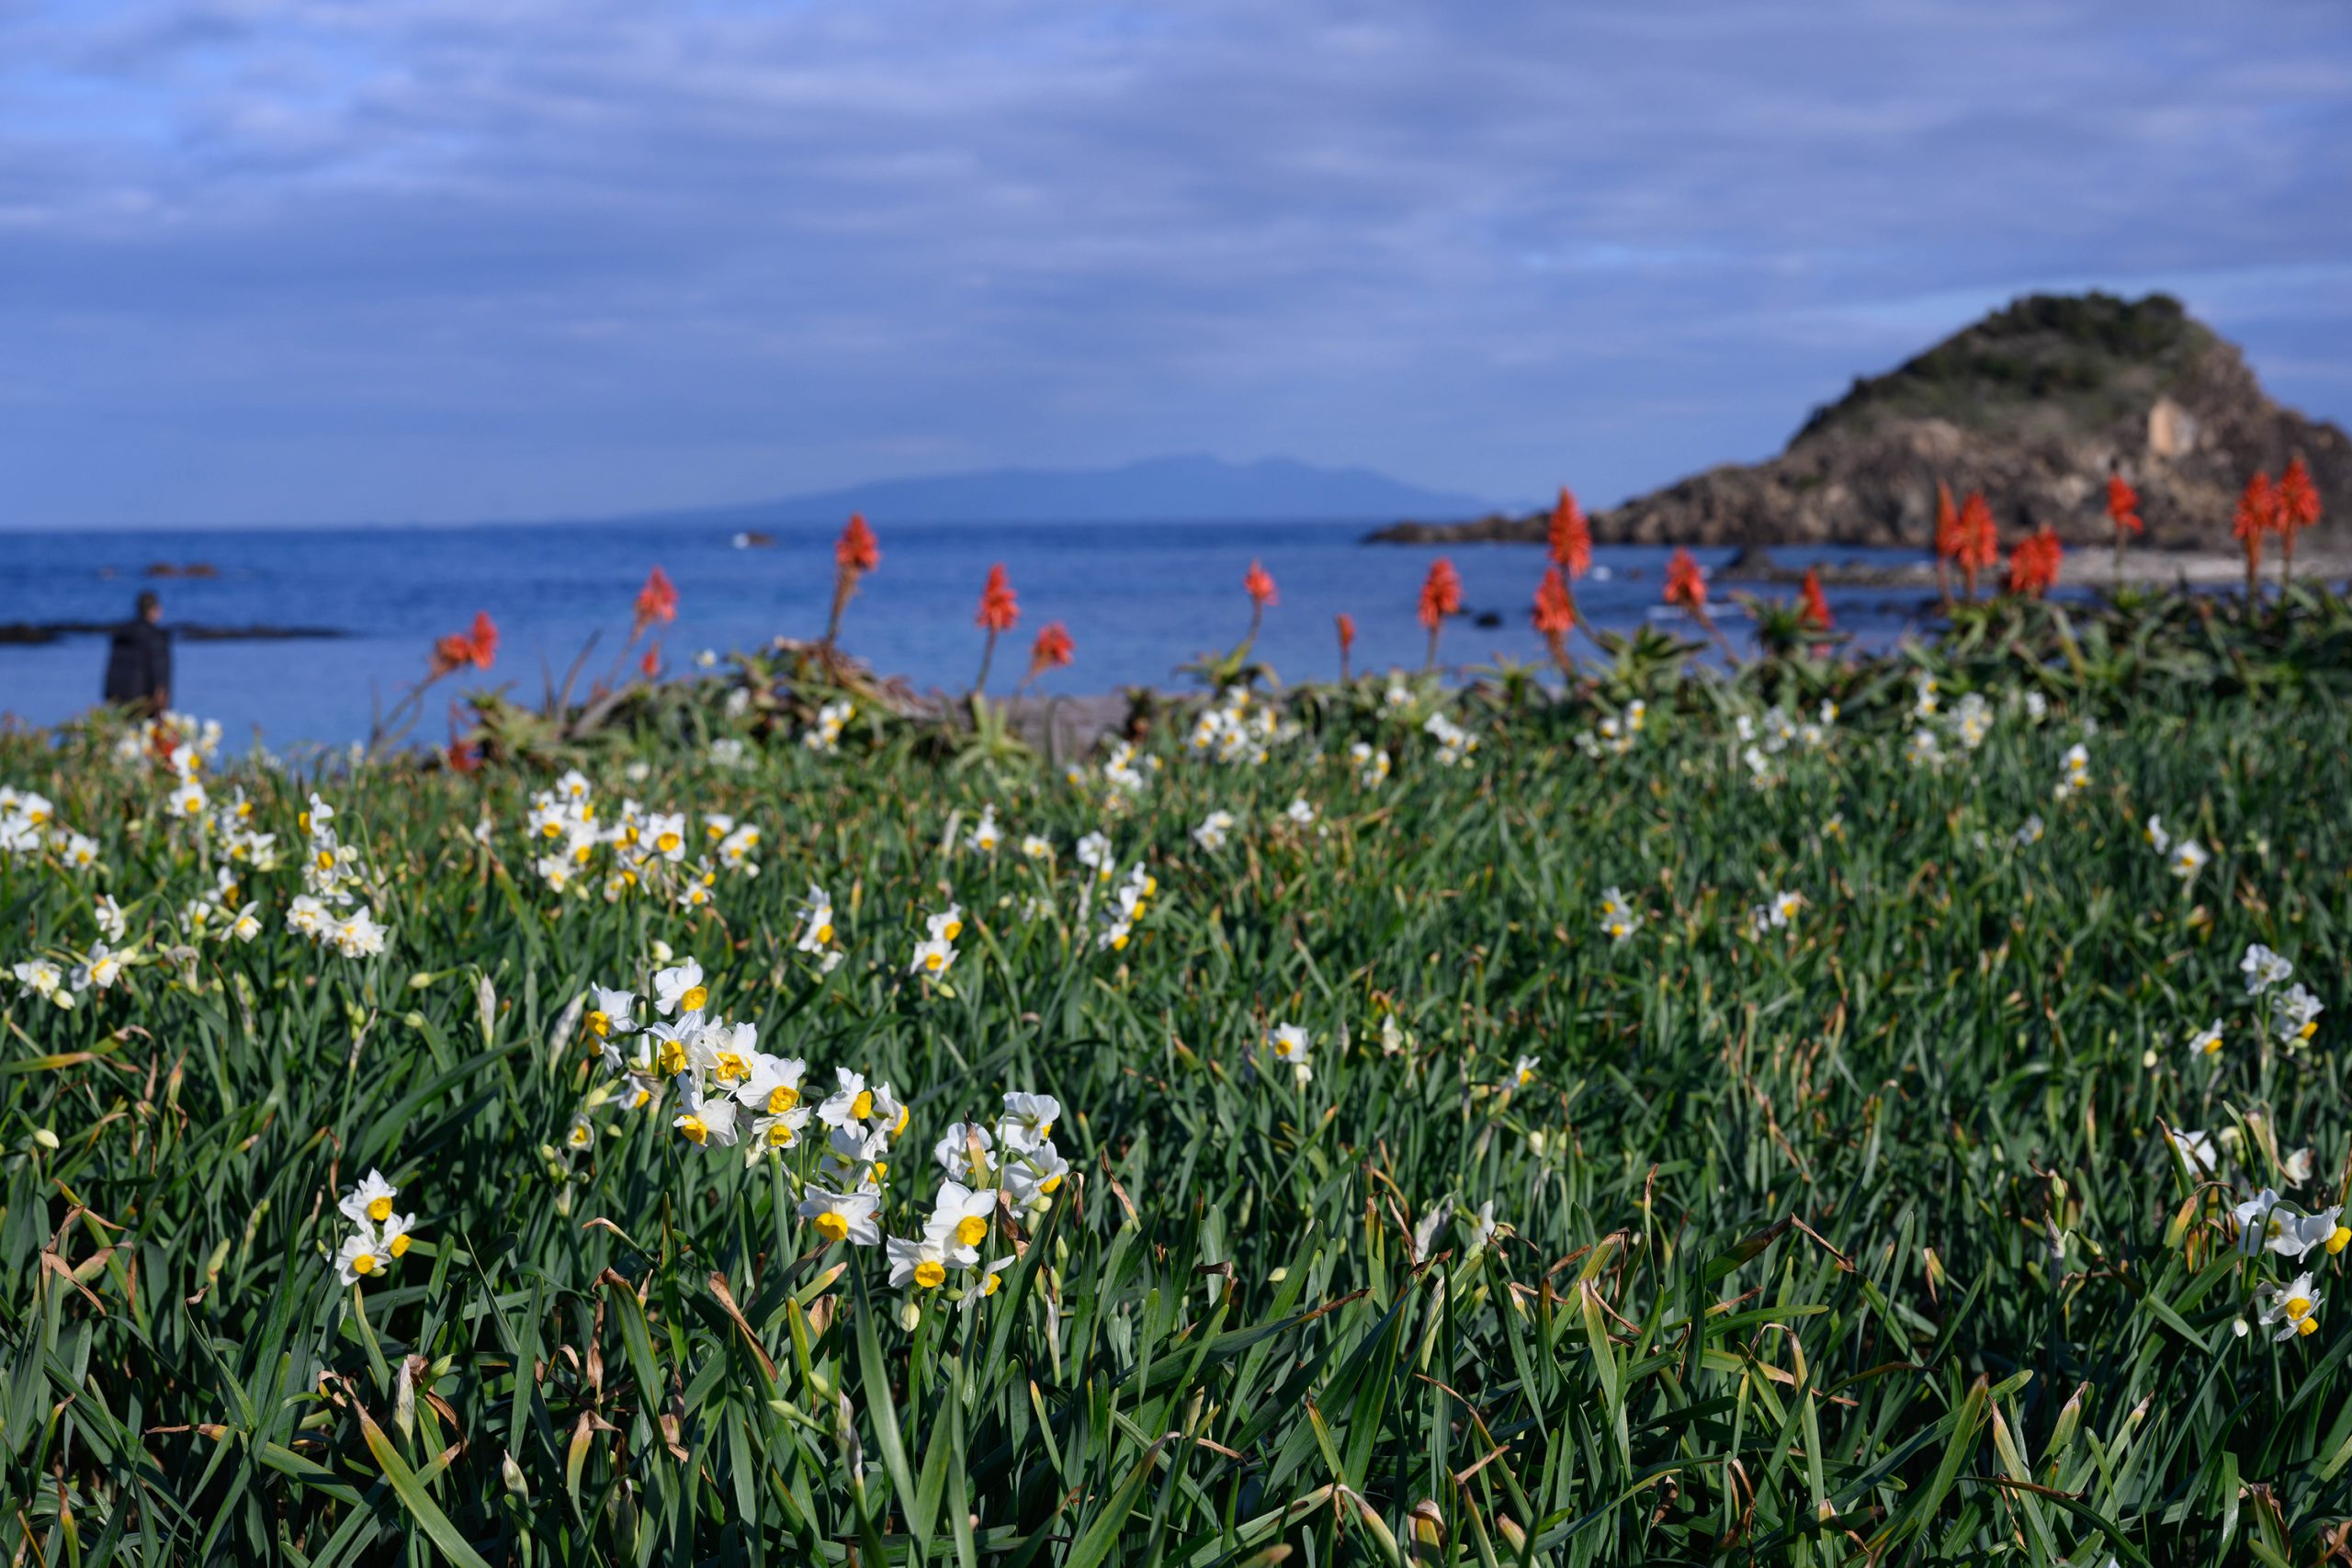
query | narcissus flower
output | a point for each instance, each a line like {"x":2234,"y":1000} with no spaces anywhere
{"x":960,"y":1218}
{"x":680,"y":989}
{"x":2289,"y":1307}
{"x":361,"y":1256}
{"x":2295,"y":1016}
{"x":920,"y":1263}
{"x":843,"y":1216}
{"x":2264,"y":969}
{"x":1028,"y":1121}
{"x":370,"y":1202}
{"x":1214,"y":829}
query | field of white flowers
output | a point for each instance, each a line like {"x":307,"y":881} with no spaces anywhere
{"x":1869,"y":1113}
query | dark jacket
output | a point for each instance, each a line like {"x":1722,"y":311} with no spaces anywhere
{"x":138,"y":666}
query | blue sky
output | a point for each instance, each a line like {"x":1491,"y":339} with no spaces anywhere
{"x":278,"y":261}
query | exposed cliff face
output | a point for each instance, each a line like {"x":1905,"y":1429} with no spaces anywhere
{"x":2031,"y":405}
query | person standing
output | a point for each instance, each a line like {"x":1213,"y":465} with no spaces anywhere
{"x":139,"y":664}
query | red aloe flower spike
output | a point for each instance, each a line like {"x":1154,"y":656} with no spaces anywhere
{"x":1569,"y":539}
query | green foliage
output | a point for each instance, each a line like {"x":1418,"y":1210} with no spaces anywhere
{"x":1858,"y":1239}
{"x":2084,"y":358}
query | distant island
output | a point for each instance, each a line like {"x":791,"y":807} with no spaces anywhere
{"x":2031,"y":405}
{"x":1189,"y":488}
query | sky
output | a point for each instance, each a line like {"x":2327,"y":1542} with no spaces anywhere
{"x":330,"y":261}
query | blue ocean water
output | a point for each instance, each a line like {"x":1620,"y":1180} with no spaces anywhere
{"x":1139,"y":599}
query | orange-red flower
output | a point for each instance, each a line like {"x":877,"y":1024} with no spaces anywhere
{"x":651,"y":663}
{"x":1686,"y":585}
{"x":2296,"y":497}
{"x":999,"y":609}
{"x":657,"y":601}
{"x":484,"y":640}
{"x":1980,"y":538}
{"x":1816,"y":603}
{"x":2033,"y":565}
{"x":1570,"y":539}
{"x":1347,"y":625}
{"x":856,"y":550}
{"x":2123,"y":505}
{"x":1949,"y":538}
{"x":1259,"y":585}
{"x":1555,"y":612}
{"x":1052,"y":650}
{"x":478,"y":648}
{"x":1440,"y":593}
{"x":2257,"y":513}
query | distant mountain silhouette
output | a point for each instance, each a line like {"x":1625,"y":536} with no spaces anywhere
{"x":1190,"y":488}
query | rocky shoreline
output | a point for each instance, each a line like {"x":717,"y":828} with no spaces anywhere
{"x":35,"y":633}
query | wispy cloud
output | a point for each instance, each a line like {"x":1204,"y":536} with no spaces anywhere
{"x":438,"y":258}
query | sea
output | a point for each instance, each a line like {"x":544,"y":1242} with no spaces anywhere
{"x":1139,"y":599}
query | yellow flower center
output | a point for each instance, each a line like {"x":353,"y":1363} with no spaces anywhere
{"x":400,"y":1244}
{"x":600,"y":1025}
{"x":929,"y":1274}
{"x":550,"y":830}
{"x":379,"y":1209}
{"x":935,"y":962}
{"x":782,"y":1098}
{"x":988,"y":1287}
{"x":578,"y":1138}
{"x":326,"y":860}
{"x":731,"y":1066}
{"x":364,"y":1264}
{"x":674,"y":1058}
{"x":881,"y":1170}
{"x":1119,"y":942}
{"x":831,"y":1227}
{"x":900,"y":1124}
{"x":2339,"y":1240}
{"x":1051,"y":1183}
{"x":2299,"y":1307}
{"x":667,"y":843}
{"x":970,"y":1229}
{"x":863,"y":1106}
{"x":780,"y":1134}
{"x":693,"y":1127}
{"x":694,"y":999}
{"x":825,"y":935}
{"x":2307,"y":1326}
{"x":952,"y":929}
{"x":2307,"y":1031}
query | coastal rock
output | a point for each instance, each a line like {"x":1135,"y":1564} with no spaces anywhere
{"x":2033,"y":405}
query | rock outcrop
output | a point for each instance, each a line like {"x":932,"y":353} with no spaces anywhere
{"x":2033,"y":405}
